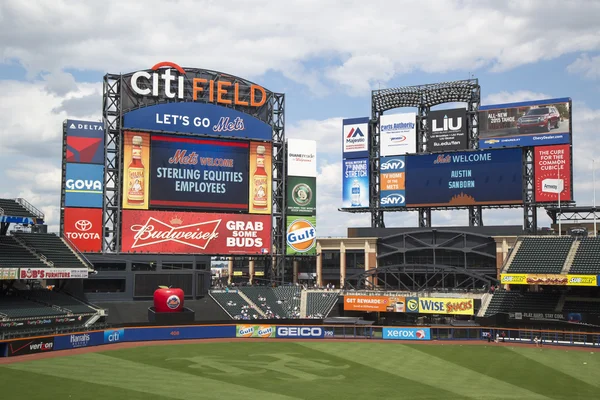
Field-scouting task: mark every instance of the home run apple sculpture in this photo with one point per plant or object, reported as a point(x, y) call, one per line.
point(167, 299)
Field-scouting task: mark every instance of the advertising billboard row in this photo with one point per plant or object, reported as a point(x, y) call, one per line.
point(355, 183)
point(161, 232)
point(421, 305)
point(549, 279)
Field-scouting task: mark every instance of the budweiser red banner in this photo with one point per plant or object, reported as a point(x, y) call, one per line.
point(83, 228)
point(203, 233)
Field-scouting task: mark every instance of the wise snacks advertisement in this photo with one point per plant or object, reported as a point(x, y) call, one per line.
point(199, 173)
point(161, 232)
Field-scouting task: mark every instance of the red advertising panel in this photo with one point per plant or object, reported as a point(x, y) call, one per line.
point(552, 173)
point(83, 228)
point(199, 233)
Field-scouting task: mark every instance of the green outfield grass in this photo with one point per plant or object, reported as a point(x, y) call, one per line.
point(307, 370)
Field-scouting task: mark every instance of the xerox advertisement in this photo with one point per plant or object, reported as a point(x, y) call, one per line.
point(464, 178)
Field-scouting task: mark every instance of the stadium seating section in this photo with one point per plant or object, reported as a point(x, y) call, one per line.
point(514, 301)
point(14, 209)
point(541, 255)
point(53, 248)
point(290, 297)
point(41, 303)
point(587, 258)
point(14, 255)
point(232, 303)
point(319, 304)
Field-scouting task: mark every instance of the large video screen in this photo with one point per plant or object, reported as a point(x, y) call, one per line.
point(530, 123)
point(491, 177)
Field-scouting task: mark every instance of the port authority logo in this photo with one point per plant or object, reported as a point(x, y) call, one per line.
point(356, 138)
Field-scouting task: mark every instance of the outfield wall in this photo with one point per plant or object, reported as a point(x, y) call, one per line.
point(45, 344)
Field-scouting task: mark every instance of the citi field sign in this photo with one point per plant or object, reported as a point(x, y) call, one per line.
point(168, 80)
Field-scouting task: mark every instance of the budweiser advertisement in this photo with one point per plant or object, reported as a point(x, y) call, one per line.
point(201, 233)
point(83, 228)
point(53, 273)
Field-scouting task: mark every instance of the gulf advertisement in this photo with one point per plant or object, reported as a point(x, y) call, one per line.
point(201, 174)
point(552, 171)
point(392, 181)
point(136, 170)
point(84, 185)
point(397, 134)
point(302, 157)
point(439, 305)
point(355, 137)
point(261, 178)
point(198, 119)
point(447, 130)
point(83, 228)
point(375, 303)
point(524, 124)
point(406, 333)
point(301, 195)
point(355, 183)
point(255, 331)
point(549, 279)
point(464, 178)
point(162, 232)
point(301, 235)
point(85, 142)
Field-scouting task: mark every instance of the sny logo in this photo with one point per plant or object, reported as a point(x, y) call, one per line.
point(114, 336)
point(393, 199)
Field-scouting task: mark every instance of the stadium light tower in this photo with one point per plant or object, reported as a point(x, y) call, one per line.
point(559, 212)
point(594, 184)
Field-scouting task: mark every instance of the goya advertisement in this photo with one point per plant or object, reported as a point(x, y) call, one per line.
point(552, 168)
point(202, 174)
point(530, 123)
point(355, 183)
point(85, 142)
point(261, 181)
point(301, 195)
point(439, 305)
point(549, 279)
point(392, 186)
point(136, 170)
point(84, 185)
point(301, 235)
point(162, 232)
point(464, 178)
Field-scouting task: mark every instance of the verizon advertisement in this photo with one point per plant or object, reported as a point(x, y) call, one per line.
point(398, 134)
point(447, 130)
point(53, 273)
point(83, 228)
point(302, 157)
point(552, 173)
point(162, 232)
point(30, 346)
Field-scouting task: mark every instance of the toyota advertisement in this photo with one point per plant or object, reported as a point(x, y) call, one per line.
point(85, 142)
point(392, 187)
point(83, 228)
point(525, 124)
point(397, 134)
point(464, 178)
point(552, 169)
point(447, 130)
point(203, 174)
point(162, 232)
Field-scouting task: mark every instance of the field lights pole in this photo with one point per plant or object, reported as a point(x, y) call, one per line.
point(594, 183)
point(559, 212)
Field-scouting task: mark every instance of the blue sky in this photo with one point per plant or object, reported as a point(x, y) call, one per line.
point(326, 56)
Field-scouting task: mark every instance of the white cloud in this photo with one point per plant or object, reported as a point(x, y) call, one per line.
point(513, 97)
point(587, 66)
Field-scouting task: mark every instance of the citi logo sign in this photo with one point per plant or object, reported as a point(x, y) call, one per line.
point(114, 336)
point(393, 199)
point(448, 124)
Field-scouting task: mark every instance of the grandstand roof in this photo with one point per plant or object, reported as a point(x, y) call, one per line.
point(500, 230)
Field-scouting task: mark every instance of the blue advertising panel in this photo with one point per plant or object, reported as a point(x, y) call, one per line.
point(85, 142)
point(355, 183)
point(295, 332)
point(114, 336)
point(199, 119)
point(355, 137)
point(84, 185)
point(407, 333)
point(199, 173)
point(78, 340)
point(180, 332)
point(464, 178)
point(392, 175)
point(529, 123)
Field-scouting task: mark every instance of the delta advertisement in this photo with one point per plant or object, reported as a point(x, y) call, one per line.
point(552, 171)
point(355, 183)
point(439, 305)
point(162, 232)
point(84, 185)
point(85, 142)
point(397, 134)
point(355, 137)
point(301, 235)
point(375, 303)
point(301, 195)
point(261, 178)
point(447, 130)
point(83, 228)
point(464, 178)
point(198, 119)
point(549, 279)
point(392, 187)
point(136, 161)
point(301, 157)
point(201, 174)
point(530, 123)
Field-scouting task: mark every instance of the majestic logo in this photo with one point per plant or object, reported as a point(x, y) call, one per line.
point(393, 199)
point(301, 235)
point(355, 138)
point(154, 231)
point(173, 302)
point(355, 132)
point(83, 225)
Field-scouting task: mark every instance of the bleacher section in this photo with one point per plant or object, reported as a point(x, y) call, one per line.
point(19, 307)
point(53, 248)
point(541, 255)
point(319, 304)
point(265, 298)
point(582, 306)
point(290, 296)
point(12, 208)
point(231, 302)
point(59, 299)
point(512, 301)
point(587, 258)
point(14, 255)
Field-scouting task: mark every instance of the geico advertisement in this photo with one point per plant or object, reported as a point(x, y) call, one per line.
point(199, 173)
point(438, 305)
point(200, 233)
point(464, 178)
point(300, 332)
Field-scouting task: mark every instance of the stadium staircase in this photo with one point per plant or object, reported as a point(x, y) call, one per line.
point(570, 257)
point(561, 303)
point(319, 303)
point(485, 302)
point(303, 304)
point(587, 259)
point(252, 304)
point(511, 257)
point(29, 207)
point(14, 254)
point(53, 248)
point(19, 208)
